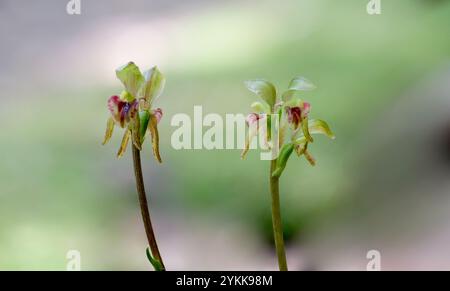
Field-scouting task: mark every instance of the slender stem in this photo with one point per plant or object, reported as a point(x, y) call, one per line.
point(144, 206)
point(276, 218)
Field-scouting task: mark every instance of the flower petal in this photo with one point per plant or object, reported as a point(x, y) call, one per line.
point(144, 117)
point(305, 129)
point(135, 130)
point(301, 144)
point(158, 114)
point(263, 89)
point(306, 109)
point(294, 115)
point(109, 130)
point(309, 158)
point(248, 140)
point(317, 126)
point(301, 84)
point(113, 106)
point(126, 96)
point(153, 127)
point(297, 84)
point(252, 122)
point(124, 143)
point(252, 118)
point(259, 107)
point(131, 78)
point(153, 86)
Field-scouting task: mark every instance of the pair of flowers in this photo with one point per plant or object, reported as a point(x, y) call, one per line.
point(133, 111)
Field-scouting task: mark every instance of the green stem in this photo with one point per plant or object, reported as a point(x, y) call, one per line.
point(144, 206)
point(276, 218)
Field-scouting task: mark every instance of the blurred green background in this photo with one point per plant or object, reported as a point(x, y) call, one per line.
point(383, 85)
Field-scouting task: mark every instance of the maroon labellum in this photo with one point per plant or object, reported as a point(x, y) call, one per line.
point(122, 111)
point(298, 113)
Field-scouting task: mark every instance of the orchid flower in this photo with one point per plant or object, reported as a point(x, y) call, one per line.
point(133, 111)
point(293, 114)
point(294, 122)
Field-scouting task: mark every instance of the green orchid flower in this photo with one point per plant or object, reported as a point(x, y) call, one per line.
point(133, 109)
point(294, 134)
point(293, 114)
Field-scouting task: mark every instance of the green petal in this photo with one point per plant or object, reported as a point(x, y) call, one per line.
point(259, 107)
point(153, 85)
point(301, 84)
point(131, 78)
point(135, 130)
point(317, 126)
point(153, 127)
point(125, 95)
point(293, 102)
point(248, 140)
point(297, 84)
point(144, 117)
point(283, 157)
point(124, 143)
point(263, 89)
point(300, 140)
point(109, 130)
point(305, 129)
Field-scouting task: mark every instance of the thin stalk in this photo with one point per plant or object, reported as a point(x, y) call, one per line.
point(144, 206)
point(276, 218)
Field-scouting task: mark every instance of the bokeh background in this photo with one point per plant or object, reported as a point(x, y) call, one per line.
point(383, 84)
